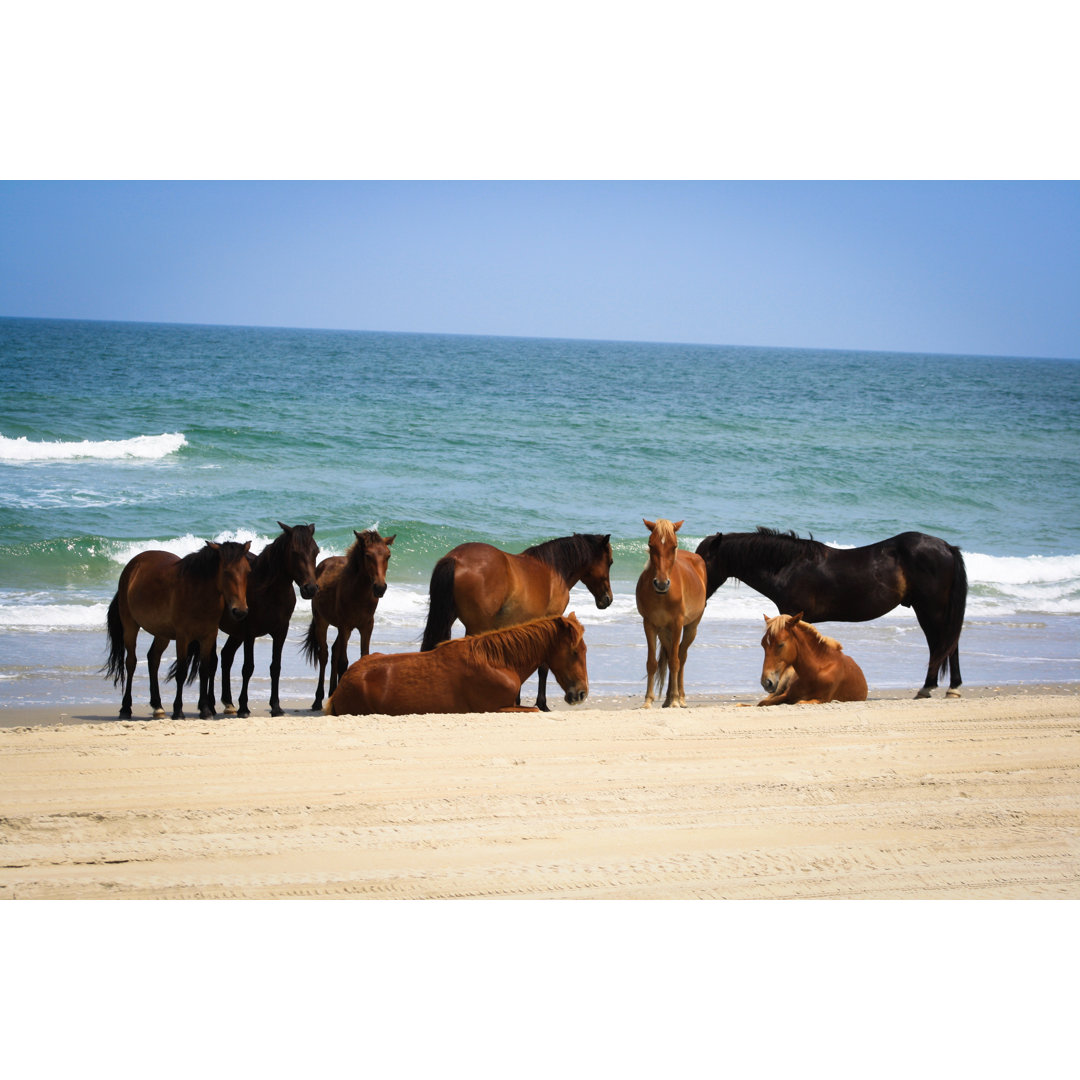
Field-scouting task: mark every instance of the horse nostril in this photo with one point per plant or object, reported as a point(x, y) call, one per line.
point(379, 590)
point(239, 613)
point(308, 591)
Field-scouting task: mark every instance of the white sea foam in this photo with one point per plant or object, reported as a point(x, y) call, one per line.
point(142, 447)
point(188, 544)
point(53, 616)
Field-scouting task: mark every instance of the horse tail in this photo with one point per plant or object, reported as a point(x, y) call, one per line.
point(114, 666)
point(193, 665)
point(955, 609)
point(309, 647)
point(442, 610)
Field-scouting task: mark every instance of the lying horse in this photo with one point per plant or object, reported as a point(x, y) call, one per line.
point(803, 665)
point(271, 601)
point(488, 589)
point(176, 599)
point(477, 673)
point(670, 601)
point(350, 587)
point(918, 571)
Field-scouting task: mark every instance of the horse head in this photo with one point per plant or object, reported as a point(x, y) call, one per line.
point(232, 576)
point(303, 552)
point(597, 575)
point(663, 543)
point(781, 652)
point(715, 571)
point(375, 551)
point(567, 660)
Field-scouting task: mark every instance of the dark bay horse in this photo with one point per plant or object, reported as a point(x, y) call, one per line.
point(271, 600)
point(477, 673)
point(350, 587)
point(803, 666)
point(488, 589)
point(917, 571)
point(176, 599)
point(670, 601)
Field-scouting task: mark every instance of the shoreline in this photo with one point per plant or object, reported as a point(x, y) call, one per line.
point(892, 798)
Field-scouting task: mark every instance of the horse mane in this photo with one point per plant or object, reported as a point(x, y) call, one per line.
point(665, 529)
point(772, 549)
point(567, 554)
point(203, 564)
point(515, 645)
point(352, 553)
point(815, 638)
point(274, 557)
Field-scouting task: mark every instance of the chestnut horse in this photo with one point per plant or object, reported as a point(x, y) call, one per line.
point(477, 673)
point(350, 587)
point(488, 589)
point(918, 571)
point(802, 665)
point(271, 601)
point(670, 601)
point(176, 599)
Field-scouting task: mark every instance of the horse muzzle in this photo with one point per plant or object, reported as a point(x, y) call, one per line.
point(605, 600)
point(238, 614)
point(378, 590)
point(661, 586)
point(309, 590)
point(769, 684)
point(576, 695)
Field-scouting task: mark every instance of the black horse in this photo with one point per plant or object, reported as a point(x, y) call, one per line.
point(918, 571)
point(271, 600)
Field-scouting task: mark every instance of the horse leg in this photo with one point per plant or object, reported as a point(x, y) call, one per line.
point(689, 633)
point(339, 656)
point(674, 666)
point(275, 675)
point(541, 688)
point(182, 662)
point(650, 663)
point(129, 664)
point(208, 663)
point(228, 651)
point(320, 627)
point(931, 628)
point(153, 663)
point(245, 674)
point(954, 673)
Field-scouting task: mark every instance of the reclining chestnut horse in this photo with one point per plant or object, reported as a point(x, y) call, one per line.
point(803, 666)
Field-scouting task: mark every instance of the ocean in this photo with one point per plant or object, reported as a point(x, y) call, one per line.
point(117, 437)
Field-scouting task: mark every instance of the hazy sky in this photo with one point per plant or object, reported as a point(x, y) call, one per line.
point(989, 267)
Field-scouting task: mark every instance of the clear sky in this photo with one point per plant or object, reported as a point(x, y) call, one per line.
point(962, 267)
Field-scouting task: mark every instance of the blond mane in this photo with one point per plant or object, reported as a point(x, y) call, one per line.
point(515, 645)
point(814, 636)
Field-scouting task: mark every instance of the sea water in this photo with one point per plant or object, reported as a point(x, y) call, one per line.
point(118, 437)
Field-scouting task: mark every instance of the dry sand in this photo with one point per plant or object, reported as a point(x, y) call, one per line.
point(891, 798)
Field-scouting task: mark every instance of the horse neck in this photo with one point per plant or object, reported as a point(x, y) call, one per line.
point(753, 562)
point(812, 642)
point(272, 562)
point(567, 556)
point(521, 647)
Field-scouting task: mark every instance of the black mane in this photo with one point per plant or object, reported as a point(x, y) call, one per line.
point(568, 554)
point(204, 563)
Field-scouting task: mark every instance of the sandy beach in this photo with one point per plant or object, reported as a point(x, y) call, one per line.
point(887, 799)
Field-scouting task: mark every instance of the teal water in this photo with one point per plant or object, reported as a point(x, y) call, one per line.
point(115, 437)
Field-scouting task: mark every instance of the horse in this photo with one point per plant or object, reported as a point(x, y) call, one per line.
point(478, 673)
point(488, 589)
point(181, 599)
point(804, 666)
point(670, 600)
point(828, 584)
point(350, 587)
point(271, 600)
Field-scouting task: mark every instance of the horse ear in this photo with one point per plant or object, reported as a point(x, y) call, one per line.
point(284, 528)
point(766, 618)
point(359, 537)
point(388, 540)
point(311, 528)
point(678, 525)
point(247, 546)
point(650, 525)
point(796, 618)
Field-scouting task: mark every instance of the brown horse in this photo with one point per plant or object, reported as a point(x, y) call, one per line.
point(350, 587)
point(488, 589)
point(918, 571)
point(803, 665)
point(271, 601)
point(478, 673)
point(670, 601)
point(176, 599)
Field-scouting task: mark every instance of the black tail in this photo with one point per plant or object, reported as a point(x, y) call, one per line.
point(955, 609)
point(309, 647)
point(193, 665)
point(442, 611)
point(114, 666)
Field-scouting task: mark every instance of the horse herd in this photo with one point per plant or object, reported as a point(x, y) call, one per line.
point(512, 609)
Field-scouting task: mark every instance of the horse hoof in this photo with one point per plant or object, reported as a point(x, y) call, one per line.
point(923, 693)
point(316, 706)
point(277, 712)
point(125, 714)
point(229, 709)
point(952, 693)
point(159, 714)
point(242, 715)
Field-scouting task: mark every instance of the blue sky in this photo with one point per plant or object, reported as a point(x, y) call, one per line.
point(960, 267)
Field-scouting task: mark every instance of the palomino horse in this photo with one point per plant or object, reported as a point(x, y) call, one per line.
point(271, 600)
point(670, 601)
point(487, 588)
point(803, 665)
point(350, 587)
point(176, 599)
point(826, 584)
point(478, 673)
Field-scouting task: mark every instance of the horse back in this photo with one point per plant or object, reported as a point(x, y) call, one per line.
point(148, 591)
point(494, 589)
